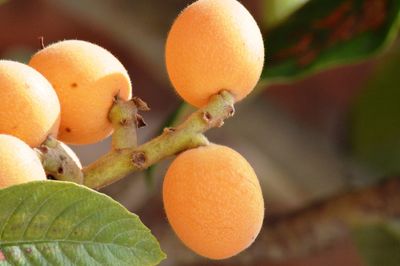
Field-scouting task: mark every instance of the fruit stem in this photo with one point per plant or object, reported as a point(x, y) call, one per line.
point(118, 163)
point(57, 162)
point(126, 120)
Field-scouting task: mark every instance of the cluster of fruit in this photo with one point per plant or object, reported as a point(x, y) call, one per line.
point(66, 91)
point(211, 194)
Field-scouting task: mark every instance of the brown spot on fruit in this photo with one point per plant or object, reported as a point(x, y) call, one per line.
point(60, 170)
point(67, 129)
point(74, 85)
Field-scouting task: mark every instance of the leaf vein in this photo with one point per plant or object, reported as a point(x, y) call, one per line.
point(9, 217)
point(51, 195)
point(73, 204)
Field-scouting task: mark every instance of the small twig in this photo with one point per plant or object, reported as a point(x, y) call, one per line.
point(121, 162)
point(126, 120)
point(125, 157)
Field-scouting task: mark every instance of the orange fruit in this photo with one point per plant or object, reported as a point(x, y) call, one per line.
point(18, 162)
point(213, 201)
point(86, 78)
point(214, 45)
point(29, 107)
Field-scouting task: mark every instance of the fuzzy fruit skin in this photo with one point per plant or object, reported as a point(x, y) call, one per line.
point(213, 201)
point(214, 45)
point(86, 77)
point(29, 107)
point(18, 162)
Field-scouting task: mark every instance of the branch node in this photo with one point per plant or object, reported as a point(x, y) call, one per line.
point(123, 116)
point(207, 117)
point(187, 135)
point(168, 130)
point(123, 122)
point(139, 159)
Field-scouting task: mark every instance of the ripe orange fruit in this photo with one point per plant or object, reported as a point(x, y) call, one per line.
point(214, 45)
point(213, 201)
point(29, 107)
point(18, 162)
point(86, 77)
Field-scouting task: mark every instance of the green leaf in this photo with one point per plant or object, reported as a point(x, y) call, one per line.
point(60, 223)
point(375, 129)
point(379, 244)
point(329, 33)
point(276, 11)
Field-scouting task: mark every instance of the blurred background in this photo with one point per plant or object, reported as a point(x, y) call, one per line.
point(321, 129)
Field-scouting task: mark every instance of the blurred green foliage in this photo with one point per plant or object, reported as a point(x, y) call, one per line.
point(277, 11)
point(375, 133)
point(379, 244)
point(324, 34)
